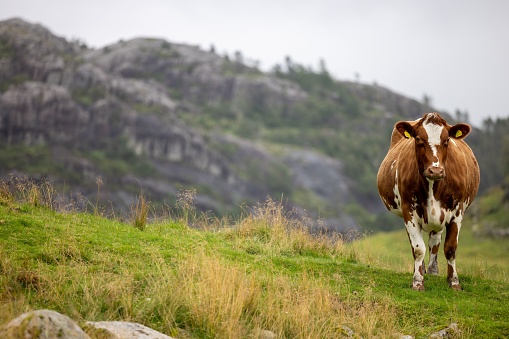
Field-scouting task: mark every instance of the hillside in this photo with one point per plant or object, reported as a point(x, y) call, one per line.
point(230, 278)
point(490, 212)
point(148, 114)
point(151, 114)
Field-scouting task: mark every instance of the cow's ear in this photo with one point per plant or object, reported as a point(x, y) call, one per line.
point(459, 131)
point(405, 129)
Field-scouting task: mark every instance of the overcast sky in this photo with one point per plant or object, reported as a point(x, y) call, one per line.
point(454, 51)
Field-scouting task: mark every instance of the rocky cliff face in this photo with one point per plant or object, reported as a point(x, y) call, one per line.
point(126, 113)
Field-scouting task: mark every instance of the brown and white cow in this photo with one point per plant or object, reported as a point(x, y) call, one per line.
point(429, 178)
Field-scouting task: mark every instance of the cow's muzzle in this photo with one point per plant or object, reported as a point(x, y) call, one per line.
point(435, 173)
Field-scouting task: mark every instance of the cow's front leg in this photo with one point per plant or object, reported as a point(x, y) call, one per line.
point(450, 245)
point(434, 245)
point(419, 251)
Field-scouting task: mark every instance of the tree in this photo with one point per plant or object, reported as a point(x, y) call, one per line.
point(289, 64)
point(357, 77)
point(277, 69)
point(505, 158)
point(462, 117)
point(426, 99)
point(239, 58)
point(322, 67)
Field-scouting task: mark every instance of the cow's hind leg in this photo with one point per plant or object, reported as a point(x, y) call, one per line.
point(434, 245)
point(419, 252)
point(450, 245)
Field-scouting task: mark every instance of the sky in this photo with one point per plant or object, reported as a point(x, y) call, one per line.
point(456, 52)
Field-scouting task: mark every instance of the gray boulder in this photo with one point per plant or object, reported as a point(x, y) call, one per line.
point(42, 324)
point(452, 331)
point(122, 330)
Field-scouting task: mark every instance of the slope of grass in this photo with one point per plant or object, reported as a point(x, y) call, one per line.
point(228, 279)
point(491, 209)
point(483, 266)
point(479, 256)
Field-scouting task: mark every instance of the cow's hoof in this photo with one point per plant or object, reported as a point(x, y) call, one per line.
point(456, 287)
point(454, 283)
point(418, 286)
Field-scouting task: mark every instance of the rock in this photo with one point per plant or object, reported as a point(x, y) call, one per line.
point(347, 331)
point(122, 330)
point(42, 324)
point(36, 113)
point(392, 103)
point(449, 332)
point(32, 52)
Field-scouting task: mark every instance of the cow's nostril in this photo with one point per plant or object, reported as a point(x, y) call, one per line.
point(435, 172)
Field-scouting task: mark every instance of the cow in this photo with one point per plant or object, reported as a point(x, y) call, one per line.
point(429, 178)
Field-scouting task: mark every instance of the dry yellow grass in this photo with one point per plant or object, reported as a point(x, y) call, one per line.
point(226, 301)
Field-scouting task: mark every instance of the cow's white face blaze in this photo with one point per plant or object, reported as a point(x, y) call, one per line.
point(434, 134)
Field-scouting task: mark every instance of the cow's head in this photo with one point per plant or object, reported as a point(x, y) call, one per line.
point(431, 136)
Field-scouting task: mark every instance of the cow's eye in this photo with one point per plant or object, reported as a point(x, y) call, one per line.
point(446, 143)
point(419, 141)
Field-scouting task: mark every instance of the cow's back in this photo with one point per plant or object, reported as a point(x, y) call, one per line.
point(390, 172)
point(387, 173)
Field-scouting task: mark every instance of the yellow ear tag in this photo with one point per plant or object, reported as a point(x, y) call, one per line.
point(459, 133)
point(408, 136)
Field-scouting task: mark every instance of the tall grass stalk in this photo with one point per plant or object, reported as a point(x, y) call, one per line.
point(186, 200)
point(268, 227)
point(99, 183)
point(6, 195)
point(140, 212)
point(28, 191)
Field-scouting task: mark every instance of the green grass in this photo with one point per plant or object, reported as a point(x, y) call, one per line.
point(477, 256)
point(483, 265)
point(233, 278)
point(491, 209)
point(35, 159)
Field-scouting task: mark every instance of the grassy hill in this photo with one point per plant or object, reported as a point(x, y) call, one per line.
point(229, 278)
point(477, 256)
point(491, 210)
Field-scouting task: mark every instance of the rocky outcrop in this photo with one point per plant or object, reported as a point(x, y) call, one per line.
point(452, 331)
point(197, 77)
point(52, 96)
point(34, 112)
point(393, 104)
point(149, 112)
point(133, 94)
point(315, 178)
point(42, 324)
point(30, 51)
